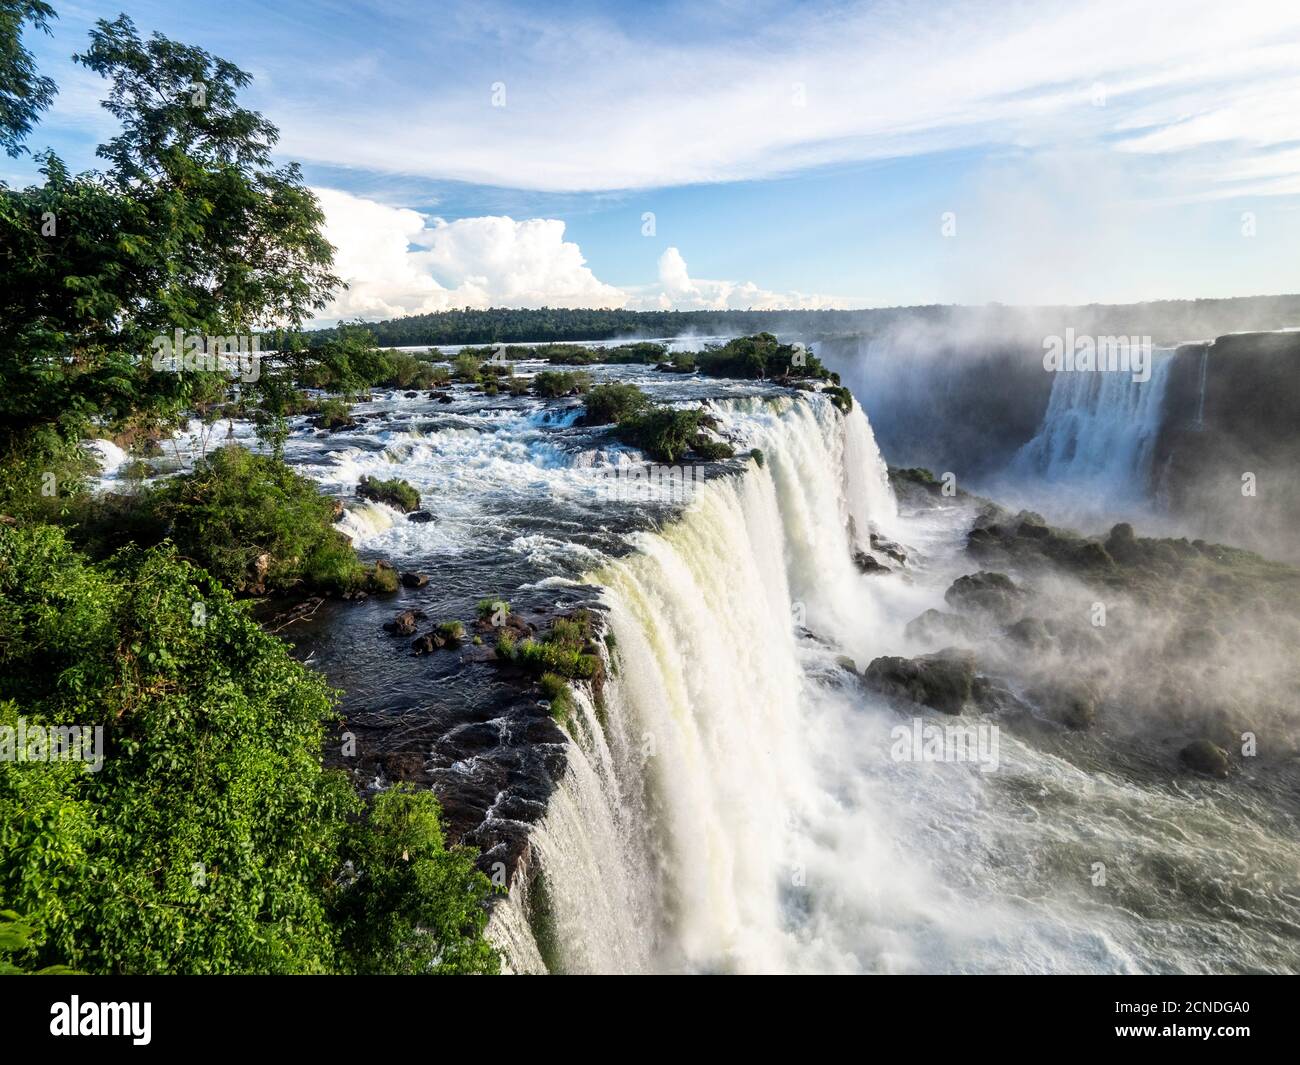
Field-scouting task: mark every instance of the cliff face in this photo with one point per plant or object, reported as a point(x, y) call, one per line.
point(1233, 408)
point(965, 406)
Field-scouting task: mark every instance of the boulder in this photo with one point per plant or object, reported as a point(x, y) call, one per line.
point(1202, 756)
point(414, 580)
point(944, 681)
point(405, 623)
point(1032, 633)
point(1072, 704)
point(985, 593)
point(867, 563)
point(889, 548)
point(419, 516)
point(935, 626)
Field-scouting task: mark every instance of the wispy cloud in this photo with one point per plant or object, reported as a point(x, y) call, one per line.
point(599, 104)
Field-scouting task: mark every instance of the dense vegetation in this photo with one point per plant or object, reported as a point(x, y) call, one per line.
point(208, 837)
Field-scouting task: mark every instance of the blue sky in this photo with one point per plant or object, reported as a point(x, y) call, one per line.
point(804, 154)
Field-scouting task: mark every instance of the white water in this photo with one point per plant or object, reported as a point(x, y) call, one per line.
point(1098, 434)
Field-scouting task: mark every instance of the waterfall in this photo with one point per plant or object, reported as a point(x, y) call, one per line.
point(1098, 434)
point(695, 807)
point(1200, 394)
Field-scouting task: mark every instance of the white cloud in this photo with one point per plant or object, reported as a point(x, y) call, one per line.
point(677, 290)
point(398, 262)
point(601, 106)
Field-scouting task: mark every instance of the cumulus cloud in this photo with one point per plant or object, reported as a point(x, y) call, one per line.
point(398, 262)
point(678, 291)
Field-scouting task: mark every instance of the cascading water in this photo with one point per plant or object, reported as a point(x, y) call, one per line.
point(1098, 434)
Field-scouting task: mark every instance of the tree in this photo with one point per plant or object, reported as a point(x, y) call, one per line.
point(24, 94)
point(191, 229)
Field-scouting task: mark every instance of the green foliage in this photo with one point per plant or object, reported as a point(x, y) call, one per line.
point(211, 839)
point(452, 631)
point(487, 607)
point(332, 414)
point(663, 433)
point(191, 227)
point(551, 384)
point(561, 651)
point(465, 367)
point(396, 493)
point(757, 455)
point(253, 523)
point(841, 397)
point(613, 402)
point(201, 843)
point(711, 450)
point(24, 94)
point(680, 362)
point(761, 356)
point(556, 691)
point(415, 906)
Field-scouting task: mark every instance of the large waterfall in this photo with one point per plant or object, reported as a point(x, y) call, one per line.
point(717, 820)
point(1099, 433)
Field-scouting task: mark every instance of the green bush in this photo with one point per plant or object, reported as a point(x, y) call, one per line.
point(711, 450)
point(555, 689)
point(254, 524)
point(396, 493)
point(551, 384)
point(453, 631)
point(663, 433)
point(465, 367)
point(210, 840)
point(613, 402)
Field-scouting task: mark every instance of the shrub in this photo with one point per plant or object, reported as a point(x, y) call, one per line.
point(253, 523)
point(551, 384)
point(663, 433)
point(465, 367)
point(452, 631)
point(841, 397)
point(613, 402)
point(711, 450)
point(487, 607)
point(333, 414)
point(555, 689)
point(396, 493)
point(757, 455)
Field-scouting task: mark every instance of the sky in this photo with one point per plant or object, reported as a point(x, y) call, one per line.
point(708, 155)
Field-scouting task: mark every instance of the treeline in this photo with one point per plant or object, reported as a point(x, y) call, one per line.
point(163, 802)
point(1165, 320)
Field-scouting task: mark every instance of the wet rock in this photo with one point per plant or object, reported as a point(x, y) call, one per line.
point(405, 623)
point(1032, 633)
point(1031, 526)
point(889, 548)
point(338, 510)
point(935, 626)
point(944, 681)
point(1121, 544)
point(867, 563)
point(411, 395)
point(419, 516)
point(1072, 704)
point(1202, 756)
point(985, 592)
point(414, 580)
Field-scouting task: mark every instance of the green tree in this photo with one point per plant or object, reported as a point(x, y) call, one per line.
point(24, 94)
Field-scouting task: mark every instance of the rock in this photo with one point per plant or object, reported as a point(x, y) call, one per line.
point(411, 395)
point(338, 510)
point(889, 548)
point(419, 516)
point(944, 681)
point(1073, 705)
point(414, 580)
point(1031, 526)
point(1202, 756)
point(405, 623)
point(381, 564)
point(1031, 633)
point(1089, 555)
point(426, 644)
point(935, 626)
point(867, 563)
point(985, 592)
